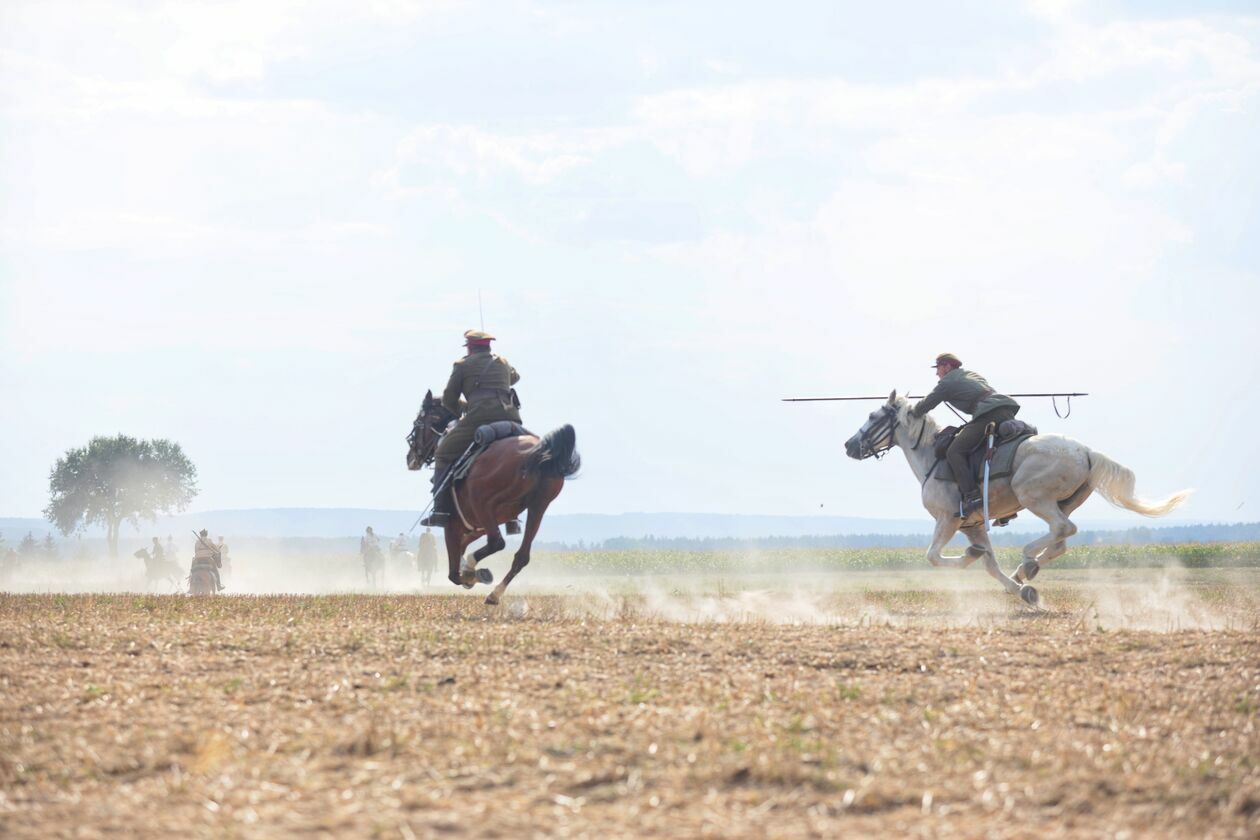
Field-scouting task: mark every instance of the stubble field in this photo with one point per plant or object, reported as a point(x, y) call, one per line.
point(877, 703)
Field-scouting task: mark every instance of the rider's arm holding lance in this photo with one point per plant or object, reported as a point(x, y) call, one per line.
point(931, 401)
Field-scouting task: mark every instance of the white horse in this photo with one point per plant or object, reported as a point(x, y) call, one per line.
point(1052, 476)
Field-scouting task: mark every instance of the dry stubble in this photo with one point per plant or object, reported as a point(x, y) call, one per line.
point(401, 716)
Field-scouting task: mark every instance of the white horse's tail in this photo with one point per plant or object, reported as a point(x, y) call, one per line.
point(1115, 483)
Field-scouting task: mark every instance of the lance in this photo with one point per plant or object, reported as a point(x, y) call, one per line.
point(1053, 395)
point(918, 397)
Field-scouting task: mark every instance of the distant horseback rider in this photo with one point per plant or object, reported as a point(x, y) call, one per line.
point(426, 553)
point(484, 381)
point(969, 393)
point(157, 552)
point(206, 555)
point(369, 544)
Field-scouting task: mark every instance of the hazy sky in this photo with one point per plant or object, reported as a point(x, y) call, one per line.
point(260, 228)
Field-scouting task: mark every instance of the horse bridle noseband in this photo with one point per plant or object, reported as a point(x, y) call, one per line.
point(437, 425)
point(891, 419)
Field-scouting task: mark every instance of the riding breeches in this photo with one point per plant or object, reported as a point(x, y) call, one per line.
point(967, 439)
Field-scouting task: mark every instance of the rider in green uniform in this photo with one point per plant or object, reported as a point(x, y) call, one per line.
point(969, 393)
point(484, 381)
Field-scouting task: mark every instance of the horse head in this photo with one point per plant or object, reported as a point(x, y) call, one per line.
point(878, 433)
point(428, 426)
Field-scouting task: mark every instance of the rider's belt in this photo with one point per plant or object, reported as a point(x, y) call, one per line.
point(496, 394)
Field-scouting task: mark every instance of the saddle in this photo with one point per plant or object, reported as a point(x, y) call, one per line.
point(1010, 434)
point(485, 435)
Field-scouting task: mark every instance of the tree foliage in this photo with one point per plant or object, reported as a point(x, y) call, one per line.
point(118, 479)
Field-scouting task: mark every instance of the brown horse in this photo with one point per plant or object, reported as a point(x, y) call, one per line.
point(157, 571)
point(511, 476)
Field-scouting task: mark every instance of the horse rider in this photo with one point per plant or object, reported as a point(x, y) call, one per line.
point(157, 552)
point(969, 393)
point(170, 548)
point(369, 543)
point(485, 382)
point(207, 555)
point(426, 552)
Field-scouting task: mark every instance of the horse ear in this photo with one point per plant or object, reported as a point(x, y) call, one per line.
point(892, 396)
point(428, 398)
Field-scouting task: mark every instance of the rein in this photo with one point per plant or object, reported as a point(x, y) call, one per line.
point(891, 419)
point(436, 422)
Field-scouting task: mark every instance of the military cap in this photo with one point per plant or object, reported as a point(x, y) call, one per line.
point(947, 359)
point(477, 337)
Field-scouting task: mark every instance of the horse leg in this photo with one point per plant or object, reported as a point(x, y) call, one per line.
point(534, 515)
point(454, 551)
point(1050, 546)
point(494, 543)
point(946, 527)
point(982, 547)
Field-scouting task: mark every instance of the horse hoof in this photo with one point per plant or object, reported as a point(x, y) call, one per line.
point(1029, 595)
point(492, 600)
point(1030, 569)
point(485, 576)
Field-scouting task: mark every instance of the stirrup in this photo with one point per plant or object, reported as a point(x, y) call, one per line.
point(436, 520)
point(969, 509)
point(512, 527)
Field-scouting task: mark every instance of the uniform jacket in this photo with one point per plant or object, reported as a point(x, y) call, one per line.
point(966, 391)
point(206, 552)
point(474, 376)
point(484, 380)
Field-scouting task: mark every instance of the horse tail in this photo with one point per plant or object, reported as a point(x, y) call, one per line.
point(1115, 483)
point(556, 455)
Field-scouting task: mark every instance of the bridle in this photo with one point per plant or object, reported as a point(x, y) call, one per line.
point(883, 430)
point(435, 422)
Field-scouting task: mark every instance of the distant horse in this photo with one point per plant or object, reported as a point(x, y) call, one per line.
point(156, 571)
point(1051, 476)
point(400, 560)
point(374, 567)
point(426, 562)
point(511, 476)
point(203, 580)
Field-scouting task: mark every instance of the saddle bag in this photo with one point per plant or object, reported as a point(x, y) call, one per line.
point(490, 432)
point(942, 440)
point(1014, 428)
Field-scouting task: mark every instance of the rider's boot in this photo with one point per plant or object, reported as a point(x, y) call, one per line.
point(441, 513)
point(972, 509)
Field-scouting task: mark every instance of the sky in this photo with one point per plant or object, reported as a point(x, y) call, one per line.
point(260, 229)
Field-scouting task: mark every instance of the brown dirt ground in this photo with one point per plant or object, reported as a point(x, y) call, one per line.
point(402, 716)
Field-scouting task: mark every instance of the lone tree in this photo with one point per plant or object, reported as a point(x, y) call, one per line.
point(117, 479)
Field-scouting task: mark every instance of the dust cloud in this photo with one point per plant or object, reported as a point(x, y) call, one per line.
point(1167, 599)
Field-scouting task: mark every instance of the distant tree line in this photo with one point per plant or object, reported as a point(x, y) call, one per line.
point(30, 548)
point(1237, 532)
